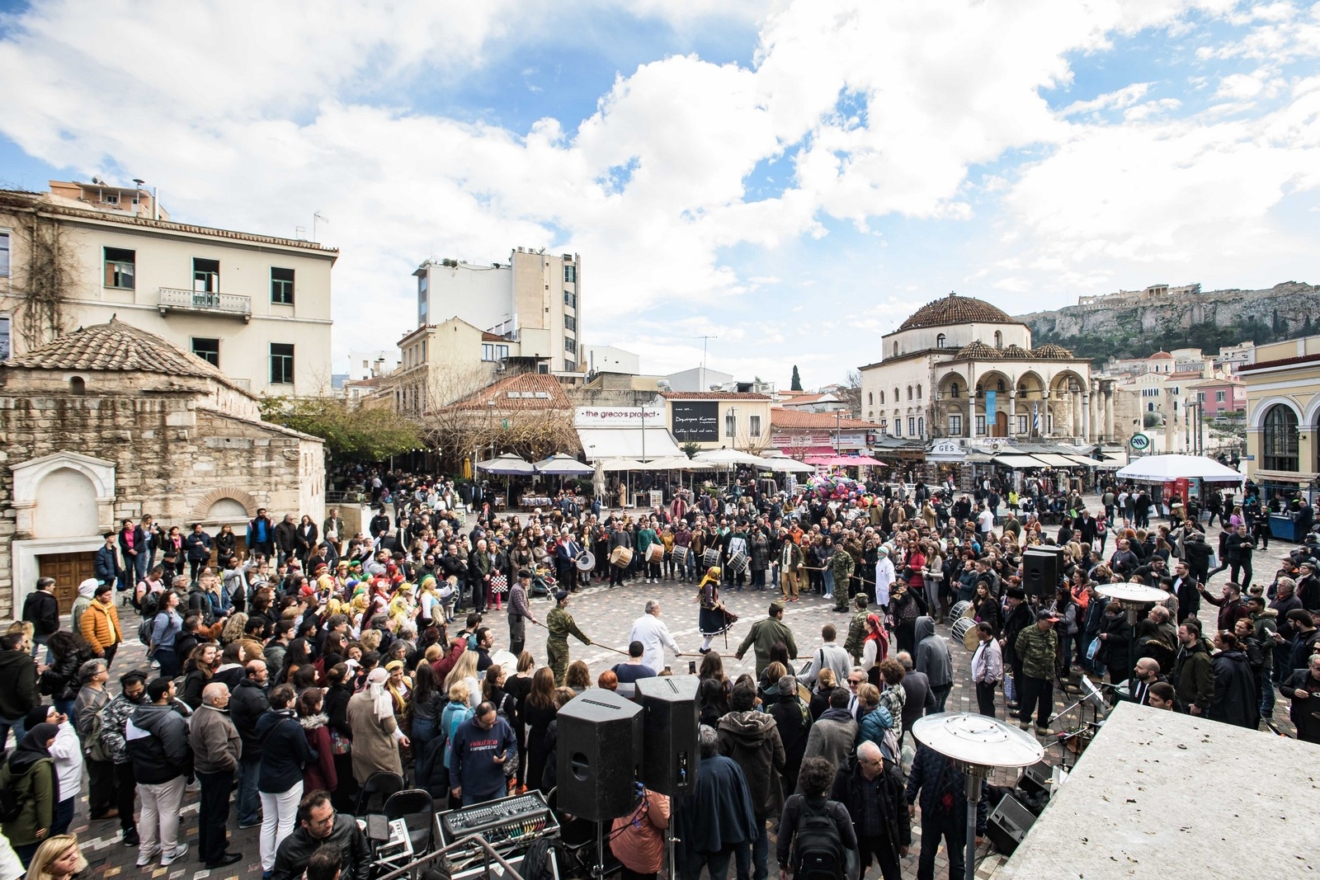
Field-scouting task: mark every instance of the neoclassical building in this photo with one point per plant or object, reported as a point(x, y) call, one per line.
point(961, 367)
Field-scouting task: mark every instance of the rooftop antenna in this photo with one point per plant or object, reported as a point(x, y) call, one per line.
point(702, 381)
point(318, 216)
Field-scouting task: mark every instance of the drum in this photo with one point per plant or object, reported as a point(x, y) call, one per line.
point(964, 630)
point(738, 562)
point(621, 557)
point(680, 556)
point(586, 561)
point(710, 558)
point(960, 609)
point(655, 554)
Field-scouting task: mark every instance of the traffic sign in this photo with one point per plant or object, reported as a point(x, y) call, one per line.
point(1139, 442)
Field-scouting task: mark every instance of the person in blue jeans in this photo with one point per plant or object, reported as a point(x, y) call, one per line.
point(718, 819)
point(165, 629)
point(247, 704)
point(482, 747)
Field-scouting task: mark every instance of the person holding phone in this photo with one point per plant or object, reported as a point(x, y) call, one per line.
point(484, 750)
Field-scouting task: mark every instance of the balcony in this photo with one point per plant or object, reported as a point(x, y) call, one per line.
point(205, 302)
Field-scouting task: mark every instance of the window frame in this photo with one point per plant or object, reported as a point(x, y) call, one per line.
point(754, 425)
point(192, 346)
point(955, 425)
point(730, 425)
point(285, 297)
point(6, 250)
point(6, 336)
point(570, 273)
point(286, 373)
point(106, 263)
point(1279, 440)
point(212, 278)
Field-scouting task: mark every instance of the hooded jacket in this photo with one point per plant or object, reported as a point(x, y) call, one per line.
point(933, 657)
point(1194, 679)
point(30, 771)
point(719, 812)
point(752, 740)
point(157, 738)
point(832, 737)
point(1236, 699)
point(284, 751)
point(18, 684)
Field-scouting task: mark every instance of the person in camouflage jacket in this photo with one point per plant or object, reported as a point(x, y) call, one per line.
point(842, 565)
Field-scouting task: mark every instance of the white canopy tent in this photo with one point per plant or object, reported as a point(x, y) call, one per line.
point(1163, 468)
point(788, 466)
point(717, 458)
point(634, 443)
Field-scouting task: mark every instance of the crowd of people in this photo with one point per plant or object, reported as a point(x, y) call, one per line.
point(284, 674)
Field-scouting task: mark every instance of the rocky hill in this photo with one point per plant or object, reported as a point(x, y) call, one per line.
point(1137, 325)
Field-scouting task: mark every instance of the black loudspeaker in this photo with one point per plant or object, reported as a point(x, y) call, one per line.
point(1042, 567)
point(599, 752)
point(669, 724)
point(1008, 824)
point(1036, 779)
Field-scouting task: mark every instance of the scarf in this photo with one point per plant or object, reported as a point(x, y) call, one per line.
point(381, 701)
point(31, 749)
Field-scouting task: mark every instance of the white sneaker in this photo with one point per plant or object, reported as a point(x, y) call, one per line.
point(180, 851)
point(145, 859)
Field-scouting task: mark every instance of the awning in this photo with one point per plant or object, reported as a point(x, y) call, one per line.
point(1018, 462)
point(1083, 460)
point(627, 443)
point(1055, 460)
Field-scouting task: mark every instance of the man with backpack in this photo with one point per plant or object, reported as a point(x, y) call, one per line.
point(99, 760)
point(42, 610)
point(157, 739)
point(871, 789)
point(939, 784)
point(816, 838)
point(751, 739)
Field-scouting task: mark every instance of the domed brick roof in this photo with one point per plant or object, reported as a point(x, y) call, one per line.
point(1015, 351)
point(955, 309)
point(977, 349)
point(1050, 351)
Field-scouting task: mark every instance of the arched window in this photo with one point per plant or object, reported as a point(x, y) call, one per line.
point(909, 392)
point(895, 349)
point(921, 427)
point(953, 389)
point(1280, 439)
point(869, 398)
point(918, 392)
point(939, 341)
point(897, 396)
point(882, 398)
point(1001, 384)
point(999, 339)
point(78, 386)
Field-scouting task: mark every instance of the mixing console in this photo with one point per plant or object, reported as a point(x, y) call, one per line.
point(508, 824)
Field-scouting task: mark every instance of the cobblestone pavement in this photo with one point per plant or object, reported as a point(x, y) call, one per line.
point(606, 616)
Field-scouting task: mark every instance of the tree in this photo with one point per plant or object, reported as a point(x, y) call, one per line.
point(796, 384)
point(368, 435)
point(852, 393)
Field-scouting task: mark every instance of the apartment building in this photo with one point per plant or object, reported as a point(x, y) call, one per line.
point(255, 306)
point(534, 300)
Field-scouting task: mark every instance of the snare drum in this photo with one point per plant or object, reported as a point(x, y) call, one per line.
point(738, 562)
point(710, 558)
point(680, 556)
point(586, 561)
point(961, 609)
point(964, 629)
point(655, 554)
point(621, 557)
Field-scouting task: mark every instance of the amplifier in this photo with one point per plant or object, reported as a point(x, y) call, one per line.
point(1008, 824)
point(1036, 779)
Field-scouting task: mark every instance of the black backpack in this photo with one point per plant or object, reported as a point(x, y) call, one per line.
point(818, 848)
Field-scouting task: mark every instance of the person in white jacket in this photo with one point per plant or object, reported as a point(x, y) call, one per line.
point(884, 577)
point(68, 755)
point(654, 635)
point(987, 669)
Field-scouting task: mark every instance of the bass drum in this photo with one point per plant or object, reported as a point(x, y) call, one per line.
point(586, 561)
point(964, 630)
point(621, 557)
point(738, 562)
point(710, 558)
point(960, 609)
point(680, 556)
point(655, 554)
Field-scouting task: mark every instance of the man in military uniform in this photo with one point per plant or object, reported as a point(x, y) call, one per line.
point(842, 566)
point(764, 634)
point(856, 640)
point(561, 626)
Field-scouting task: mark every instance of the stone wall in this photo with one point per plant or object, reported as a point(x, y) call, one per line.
point(173, 459)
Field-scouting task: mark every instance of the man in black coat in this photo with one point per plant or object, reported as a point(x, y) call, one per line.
point(1303, 688)
point(286, 538)
point(1018, 618)
point(864, 784)
point(718, 817)
point(319, 825)
point(248, 703)
point(42, 610)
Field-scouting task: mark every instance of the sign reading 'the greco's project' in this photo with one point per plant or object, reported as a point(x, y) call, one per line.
point(696, 421)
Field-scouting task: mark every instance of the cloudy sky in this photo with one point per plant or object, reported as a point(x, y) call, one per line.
point(791, 176)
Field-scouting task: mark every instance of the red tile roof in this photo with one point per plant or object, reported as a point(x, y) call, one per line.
point(523, 391)
point(787, 418)
point(713, 395)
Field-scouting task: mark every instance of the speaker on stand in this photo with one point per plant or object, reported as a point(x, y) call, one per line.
point(670, 723)
point(1042, 568)
point(1008, 824)
point(599, 750)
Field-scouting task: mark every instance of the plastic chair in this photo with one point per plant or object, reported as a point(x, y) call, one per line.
point(416, 808)
point(375, 791)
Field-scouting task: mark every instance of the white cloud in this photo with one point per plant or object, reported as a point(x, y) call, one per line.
point(253, 115)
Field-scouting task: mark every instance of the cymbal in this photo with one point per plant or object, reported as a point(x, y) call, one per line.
point(972, 738)
point(1131, 592)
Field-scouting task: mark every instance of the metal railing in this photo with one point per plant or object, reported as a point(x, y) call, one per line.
point(205, 301)
point(469, 842)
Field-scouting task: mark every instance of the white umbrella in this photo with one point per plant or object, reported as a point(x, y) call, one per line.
point(1162, 468)
point(788, 466)
point(669, 463)
point(620, 464)
point(726, 457)
point(598, 482)
point(507, 465)
point(563, 466)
